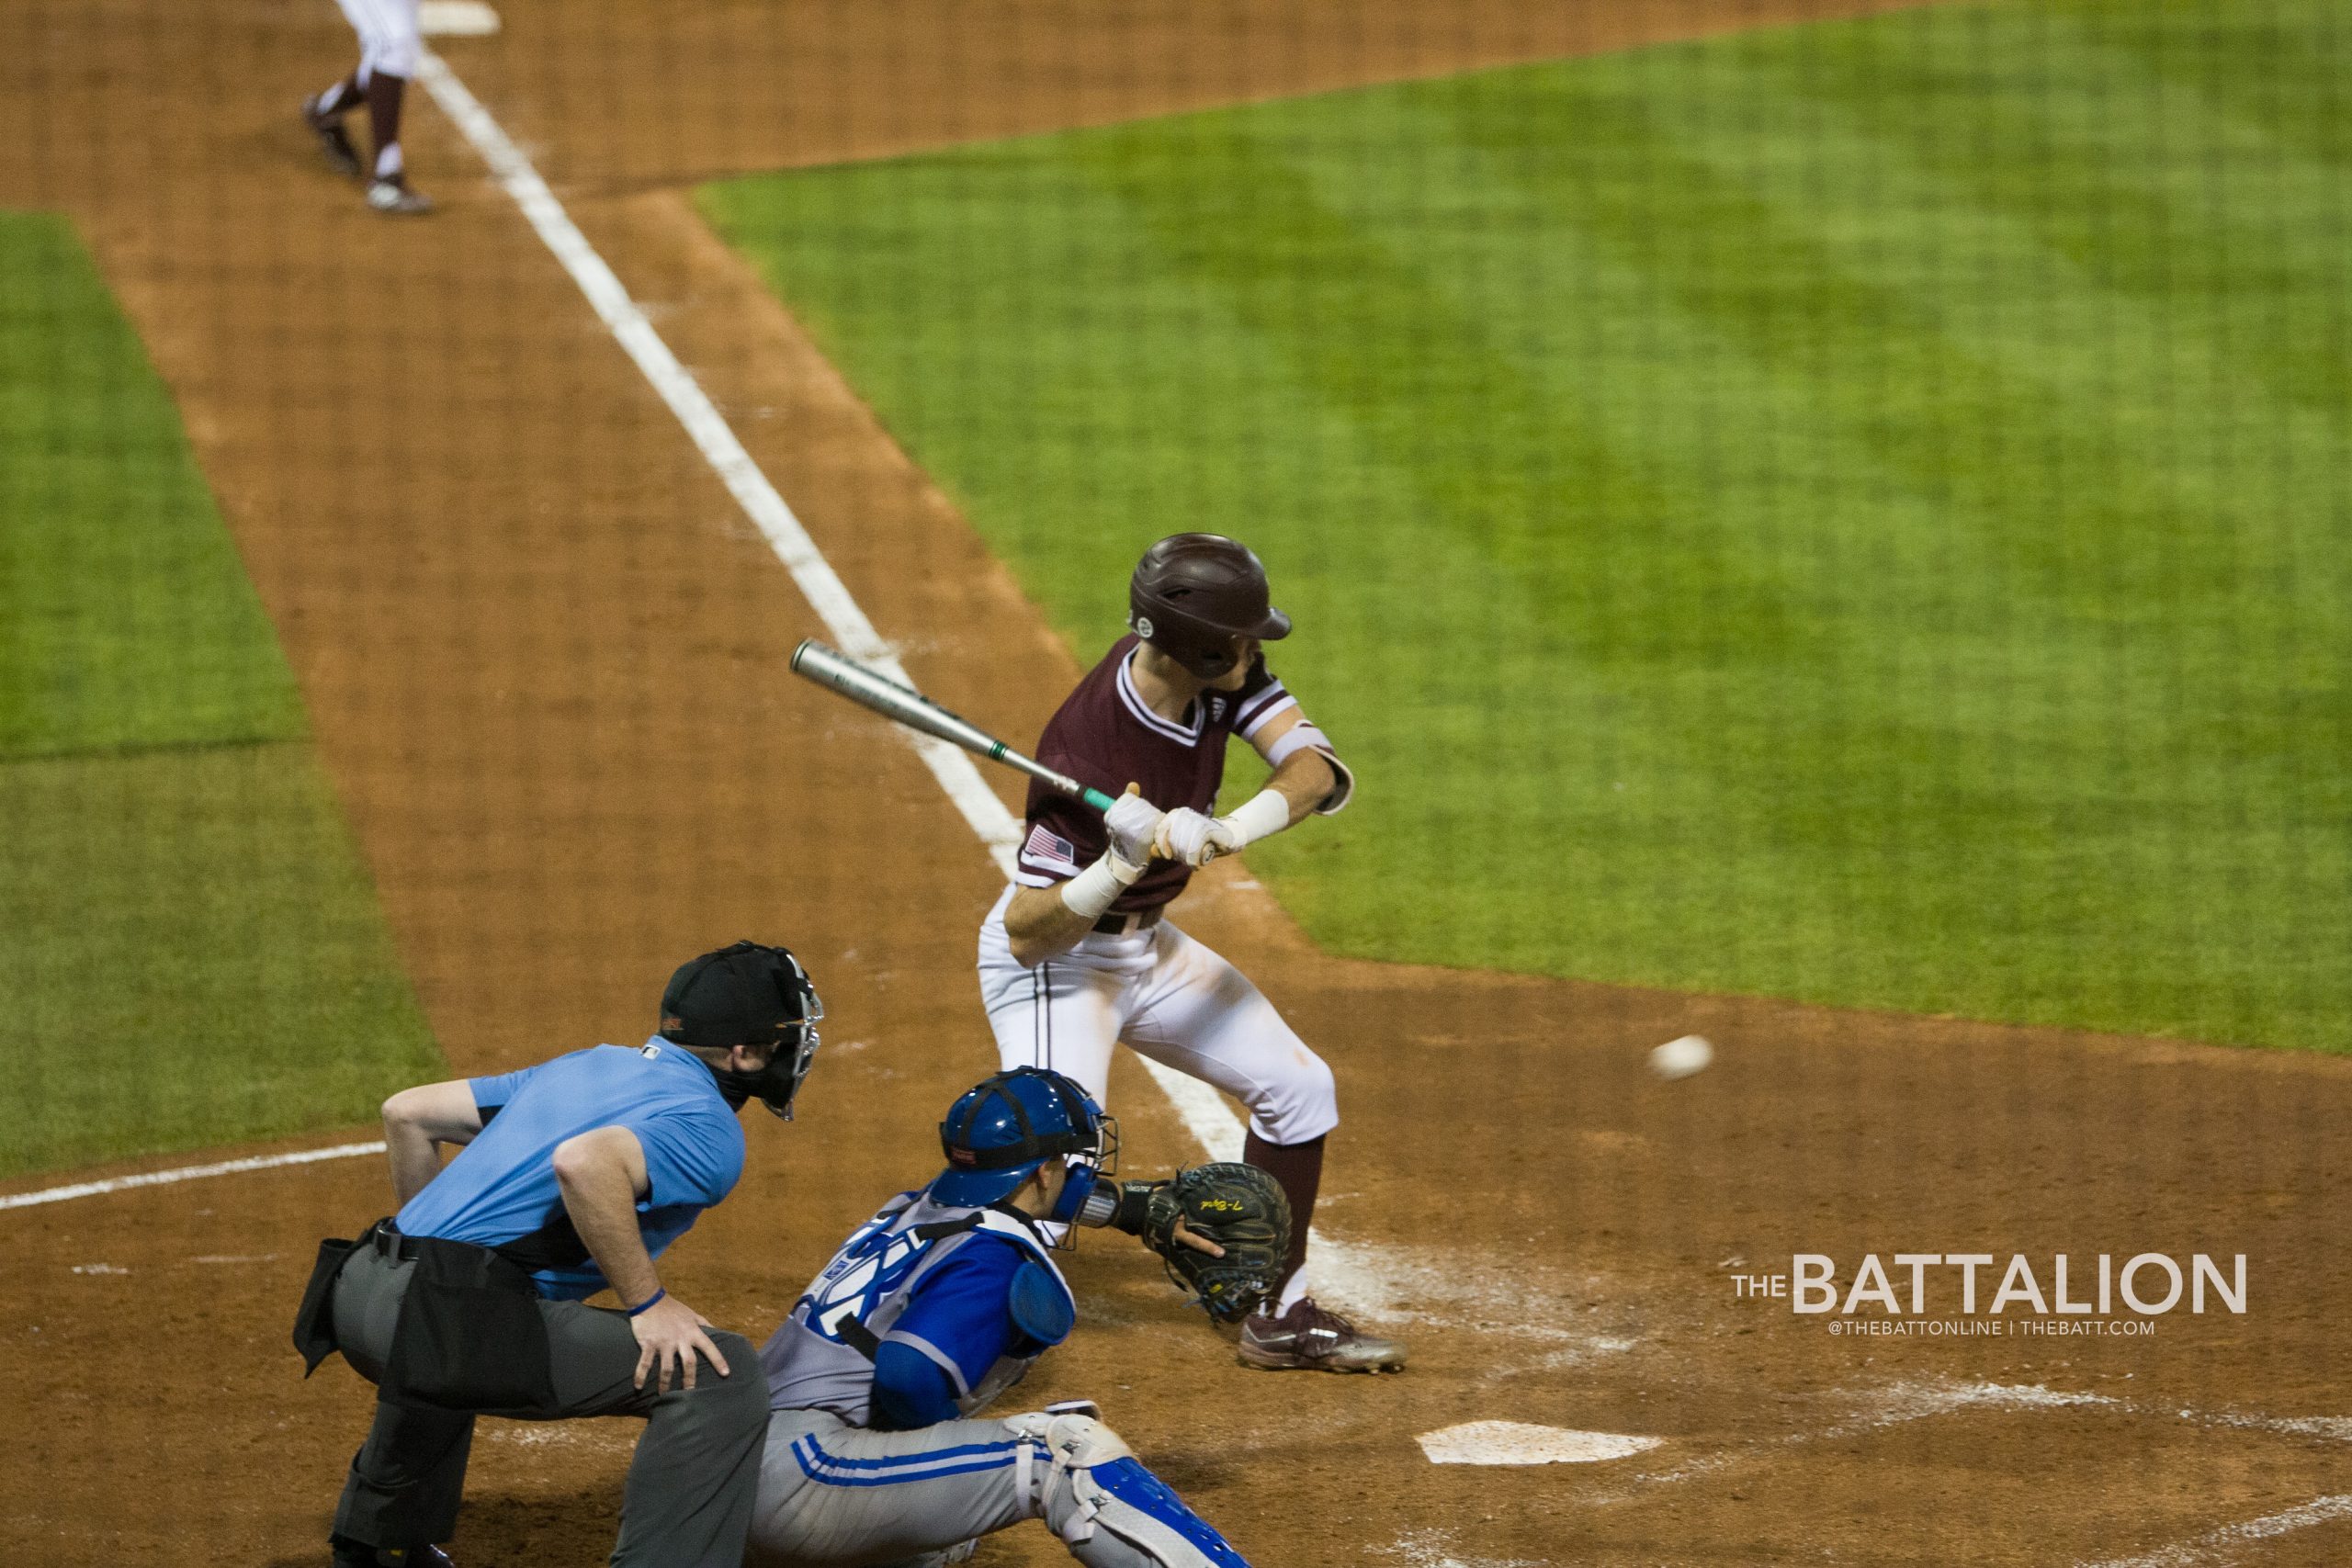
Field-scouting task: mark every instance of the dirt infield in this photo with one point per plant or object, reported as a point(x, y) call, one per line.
point(543, 651)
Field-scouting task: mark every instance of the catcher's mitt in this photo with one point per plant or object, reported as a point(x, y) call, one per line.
point(1239, 1207)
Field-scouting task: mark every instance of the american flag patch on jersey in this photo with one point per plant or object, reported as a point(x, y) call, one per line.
point(1050, 850)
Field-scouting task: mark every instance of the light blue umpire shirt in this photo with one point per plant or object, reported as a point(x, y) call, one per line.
point(501, 1187)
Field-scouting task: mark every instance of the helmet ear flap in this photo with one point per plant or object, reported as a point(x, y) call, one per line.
point(1076, 1189)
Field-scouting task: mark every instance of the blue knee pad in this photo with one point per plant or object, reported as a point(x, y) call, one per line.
point(1131, 1483)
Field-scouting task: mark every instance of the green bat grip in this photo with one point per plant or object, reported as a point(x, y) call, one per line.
point(1000, 752)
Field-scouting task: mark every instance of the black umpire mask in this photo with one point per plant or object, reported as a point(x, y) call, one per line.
point(750, 994)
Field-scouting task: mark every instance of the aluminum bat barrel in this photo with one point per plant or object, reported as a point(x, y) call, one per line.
point(870, 688)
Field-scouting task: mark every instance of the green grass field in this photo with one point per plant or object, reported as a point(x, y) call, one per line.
point(1853, 513)
point(189, 947)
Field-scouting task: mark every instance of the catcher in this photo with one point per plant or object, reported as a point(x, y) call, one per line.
point(876, 1452)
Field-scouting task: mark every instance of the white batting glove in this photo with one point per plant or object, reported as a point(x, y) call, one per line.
point(1134, 823)
point(1196, 840)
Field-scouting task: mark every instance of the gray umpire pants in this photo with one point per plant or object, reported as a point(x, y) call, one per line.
point(691, 1487)
point(834, 1495)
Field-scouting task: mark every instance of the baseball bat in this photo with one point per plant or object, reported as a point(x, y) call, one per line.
point(812, 660)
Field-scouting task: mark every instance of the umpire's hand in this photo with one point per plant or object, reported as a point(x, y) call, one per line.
point(670, 1331)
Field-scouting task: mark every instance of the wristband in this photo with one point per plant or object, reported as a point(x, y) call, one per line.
point(1134, 1206)
point(659, 1292)
point(1261, 816)
point(1100, 1206)
point(1091, 891)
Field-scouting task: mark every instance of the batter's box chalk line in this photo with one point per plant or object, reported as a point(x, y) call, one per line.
point(1435, 1548)
point(1895, 1404)
point(2217, 1546)
point(1898, 1404)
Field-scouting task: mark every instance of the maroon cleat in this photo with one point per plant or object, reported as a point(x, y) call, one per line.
point(1308, 1339)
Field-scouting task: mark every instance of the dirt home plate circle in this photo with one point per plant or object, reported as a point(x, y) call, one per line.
point(1681, 1059)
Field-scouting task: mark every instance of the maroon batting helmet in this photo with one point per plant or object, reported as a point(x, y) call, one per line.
point(1197, 596)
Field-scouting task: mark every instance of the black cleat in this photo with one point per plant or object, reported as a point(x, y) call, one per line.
point(335, 143)
point(394, 199)
point(356, 1554)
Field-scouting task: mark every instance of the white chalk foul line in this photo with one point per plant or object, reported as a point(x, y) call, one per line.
point(1204, 1112)
point(2220, 1546)
point(1893, 1405)
point(708, 429)
point(815, 576)
point(186, 1173)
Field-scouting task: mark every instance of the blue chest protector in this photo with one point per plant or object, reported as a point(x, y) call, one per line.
point(928, 1311)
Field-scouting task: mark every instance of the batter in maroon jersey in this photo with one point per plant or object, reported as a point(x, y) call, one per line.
point(1075, 956)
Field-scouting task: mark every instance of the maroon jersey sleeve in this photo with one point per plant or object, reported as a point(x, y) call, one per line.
point(1261, 698)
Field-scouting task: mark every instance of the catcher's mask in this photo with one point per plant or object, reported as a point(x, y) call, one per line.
point(1198, 597)
point(999, 1132)
point(749, 994)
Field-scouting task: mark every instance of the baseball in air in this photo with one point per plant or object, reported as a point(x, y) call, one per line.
point(1681, 1059)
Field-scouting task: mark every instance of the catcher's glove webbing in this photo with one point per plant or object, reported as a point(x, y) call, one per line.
point(1239, 1207)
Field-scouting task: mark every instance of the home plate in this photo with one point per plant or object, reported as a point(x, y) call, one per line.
point(456, 19)
point(1519, 1442)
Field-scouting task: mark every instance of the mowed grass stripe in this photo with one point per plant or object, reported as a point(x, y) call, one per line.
point(2160, 353)
point(2043, 684)
point(1770, 210)
point(1515, 611)
point(2225, 244)
point(1744, 549)
point(2070, 386)
point(1152, 364)
point(126, 619)
point(1852, 557)
point(189, 945)
point(2056, 660)
point(2120, 374)
point(2278, 65)
point(194, 958)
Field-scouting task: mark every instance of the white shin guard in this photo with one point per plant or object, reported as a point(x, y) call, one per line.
point(1086, 1485)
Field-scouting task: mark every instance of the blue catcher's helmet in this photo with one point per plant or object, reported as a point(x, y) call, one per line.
point(1004, 1128)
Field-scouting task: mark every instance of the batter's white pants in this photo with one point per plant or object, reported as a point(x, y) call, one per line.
point(389, 39)
point(1168, 996)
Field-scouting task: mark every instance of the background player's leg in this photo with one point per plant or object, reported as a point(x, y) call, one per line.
point(325, 114)
point(340, 97)
point(391, 48)
point(386, 92)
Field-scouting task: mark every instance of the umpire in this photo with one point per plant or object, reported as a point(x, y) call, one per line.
point(571, 1176)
